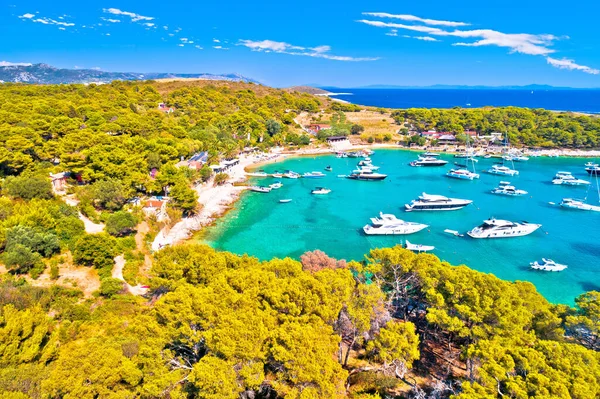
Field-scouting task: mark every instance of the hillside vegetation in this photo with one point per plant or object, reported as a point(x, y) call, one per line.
point(219, 326)
point(213, 325)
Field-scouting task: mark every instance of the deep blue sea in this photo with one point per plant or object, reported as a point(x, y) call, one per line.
point(587, 101)
point(260, 226)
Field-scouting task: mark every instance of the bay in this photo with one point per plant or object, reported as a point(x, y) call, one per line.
point(261, 226)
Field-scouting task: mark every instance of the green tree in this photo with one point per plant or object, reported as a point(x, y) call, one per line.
point(97, 250)
point(28, 187)
point(120, 223)
point(110, 287)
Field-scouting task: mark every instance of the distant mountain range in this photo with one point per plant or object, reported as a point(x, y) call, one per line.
point(465, 87)
point(46, 74)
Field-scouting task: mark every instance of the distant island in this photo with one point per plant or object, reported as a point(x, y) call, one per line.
point(466, 87)
point(47, 74)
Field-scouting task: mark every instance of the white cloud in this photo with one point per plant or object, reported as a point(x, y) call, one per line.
point(165, 27)
point(180, 45)
point(134, 17)
point(50, 21)
point(27, 16)
point(216, 41)
point(108, 34)
point(190, 42)
point(523, 43)
point(111, 20)
point(220, 48)
point(199, 47)
point(61, 28)
point(96, 68)
point(184, 39)
point(286, 48)
point(413, 18)
point(566, 63)
point(8, 64)
point(393, 33)
point(171, 34)
point(426, 38)
point(148, 24)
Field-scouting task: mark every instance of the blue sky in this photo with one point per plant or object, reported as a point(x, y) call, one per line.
point(345, 44)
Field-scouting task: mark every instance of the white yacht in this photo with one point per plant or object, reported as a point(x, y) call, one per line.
point(320, 191)
point(463, 174)
point(548, 265)
point(496, 228)
point(388, 224)
point(366, 174)
point(580, 205)
point(313, 175)
point(428, 202)
point(260, 189)
point(568, 179)
point(506, 189)
point(276, 185)
point(277, 175)
point(428, 161)
point(592, 168)
point(502, 170)
point(291, 175)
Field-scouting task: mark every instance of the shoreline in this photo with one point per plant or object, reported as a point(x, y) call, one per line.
point(216, 201)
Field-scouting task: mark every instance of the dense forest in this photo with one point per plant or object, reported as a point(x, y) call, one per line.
point(219, 326)
point(529, 127)
point(214, 325)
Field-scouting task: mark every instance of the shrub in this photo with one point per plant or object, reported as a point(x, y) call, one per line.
point(28, 187)
point(120, 224)
point(95, 250)
point(110, 287)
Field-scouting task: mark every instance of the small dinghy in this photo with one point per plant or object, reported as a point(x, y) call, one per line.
point(454, 233)
point(418, 247)
point(259, 189)
point(275, 186)
point(285, 201)
point(320, 191)
point(548, 265)
point(329, 169)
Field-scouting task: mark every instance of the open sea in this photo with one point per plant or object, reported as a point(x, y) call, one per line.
point(261, 226)
point(587, 101)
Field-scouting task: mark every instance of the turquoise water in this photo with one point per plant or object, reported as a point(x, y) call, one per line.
point(261, 226)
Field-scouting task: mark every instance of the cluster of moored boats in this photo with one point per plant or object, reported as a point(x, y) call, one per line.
point(389, 224)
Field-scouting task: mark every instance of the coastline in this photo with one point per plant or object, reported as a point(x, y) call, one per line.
point(217, 200)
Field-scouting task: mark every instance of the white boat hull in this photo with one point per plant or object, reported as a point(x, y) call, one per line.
point(400, 230)
point(519, 231)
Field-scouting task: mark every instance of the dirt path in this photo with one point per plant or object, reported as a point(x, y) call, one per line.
point(117, 272)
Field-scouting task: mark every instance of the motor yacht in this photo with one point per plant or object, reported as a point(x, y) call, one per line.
point(463, 174)
point(428, 161)
point(388, 224)
point(568, 179)
point(430, 154)
point(502, 170)
point(506, 189)
point(428, 202)
point(580, 205)
point(277, 175)
point(497, 228)
point(313, 175)
point(592, 168)
point(548, 265)
point(291, 175)
point(366, 174)
point(320, 191)
point(260, 189)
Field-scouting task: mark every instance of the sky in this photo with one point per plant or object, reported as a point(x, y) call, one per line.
point(328, 43)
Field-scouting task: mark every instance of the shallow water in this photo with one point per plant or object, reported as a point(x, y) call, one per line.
point(260, 226)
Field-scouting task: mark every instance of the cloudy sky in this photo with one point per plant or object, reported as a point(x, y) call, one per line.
point(331, 43)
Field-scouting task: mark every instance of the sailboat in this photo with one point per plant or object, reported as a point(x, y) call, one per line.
point(464, 172)
point(581, 205)
point(504, 170)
